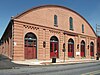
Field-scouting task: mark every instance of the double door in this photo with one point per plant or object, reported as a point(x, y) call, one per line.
point(70, 50)
point(53, 49)
point(91, 50)
point(30, 49)
point(82, 50)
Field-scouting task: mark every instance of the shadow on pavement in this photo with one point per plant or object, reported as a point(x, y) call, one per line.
point(5, 63)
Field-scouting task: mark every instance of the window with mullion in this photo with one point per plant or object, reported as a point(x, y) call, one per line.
point(55, 21)
point(82, 28)
point(71, 23)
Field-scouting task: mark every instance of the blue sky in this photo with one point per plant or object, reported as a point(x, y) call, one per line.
point(89, 9)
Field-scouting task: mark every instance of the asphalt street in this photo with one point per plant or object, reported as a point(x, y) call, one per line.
point(68, 69)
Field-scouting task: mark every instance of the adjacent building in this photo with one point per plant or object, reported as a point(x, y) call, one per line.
point(98, 46)
point(49, 31)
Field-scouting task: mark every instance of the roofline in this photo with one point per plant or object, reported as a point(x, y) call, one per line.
point(42, 6)
point(6, 28)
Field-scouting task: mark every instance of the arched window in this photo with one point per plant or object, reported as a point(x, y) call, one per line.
point(82, 28)
point(30, 46)
point(55, 21)
point(71, 23)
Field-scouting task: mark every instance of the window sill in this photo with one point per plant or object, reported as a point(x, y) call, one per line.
point(72, 29)
point(56, 25)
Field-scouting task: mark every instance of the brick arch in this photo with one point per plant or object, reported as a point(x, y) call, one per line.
point(30, 46)
point(46, 6)
point(54, 47)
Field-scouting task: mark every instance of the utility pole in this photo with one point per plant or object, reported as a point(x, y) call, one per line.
point(98, 30)
point(98, 41)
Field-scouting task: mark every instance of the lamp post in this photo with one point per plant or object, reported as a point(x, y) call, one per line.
point(64, 50)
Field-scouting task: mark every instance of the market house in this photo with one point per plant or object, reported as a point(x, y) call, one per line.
point(49, 31)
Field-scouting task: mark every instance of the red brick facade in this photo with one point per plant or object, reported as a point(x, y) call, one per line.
point(98, 46)
point(34, 35)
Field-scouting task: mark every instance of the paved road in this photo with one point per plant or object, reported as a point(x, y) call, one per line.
point(72, 69)
point(5, 63)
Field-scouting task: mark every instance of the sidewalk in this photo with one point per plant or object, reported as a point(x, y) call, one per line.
point(6, 63)
point(49, 62)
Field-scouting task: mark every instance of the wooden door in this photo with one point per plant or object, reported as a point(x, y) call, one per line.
point(30, 49)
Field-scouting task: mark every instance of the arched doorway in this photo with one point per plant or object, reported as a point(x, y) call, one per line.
point(70, 48)
point(91, 49)
point(54, 46)
point(30, 46)
point(82, 48)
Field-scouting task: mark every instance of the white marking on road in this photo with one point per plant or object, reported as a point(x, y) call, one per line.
point(92, 73)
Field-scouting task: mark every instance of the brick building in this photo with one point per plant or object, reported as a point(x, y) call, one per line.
point(98, 46)
point(49, 31)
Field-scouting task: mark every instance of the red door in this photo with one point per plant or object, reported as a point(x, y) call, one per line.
point(30, 49)
point(91, 50)
point(70, 50)
point(53, 49)
point(82, 50)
